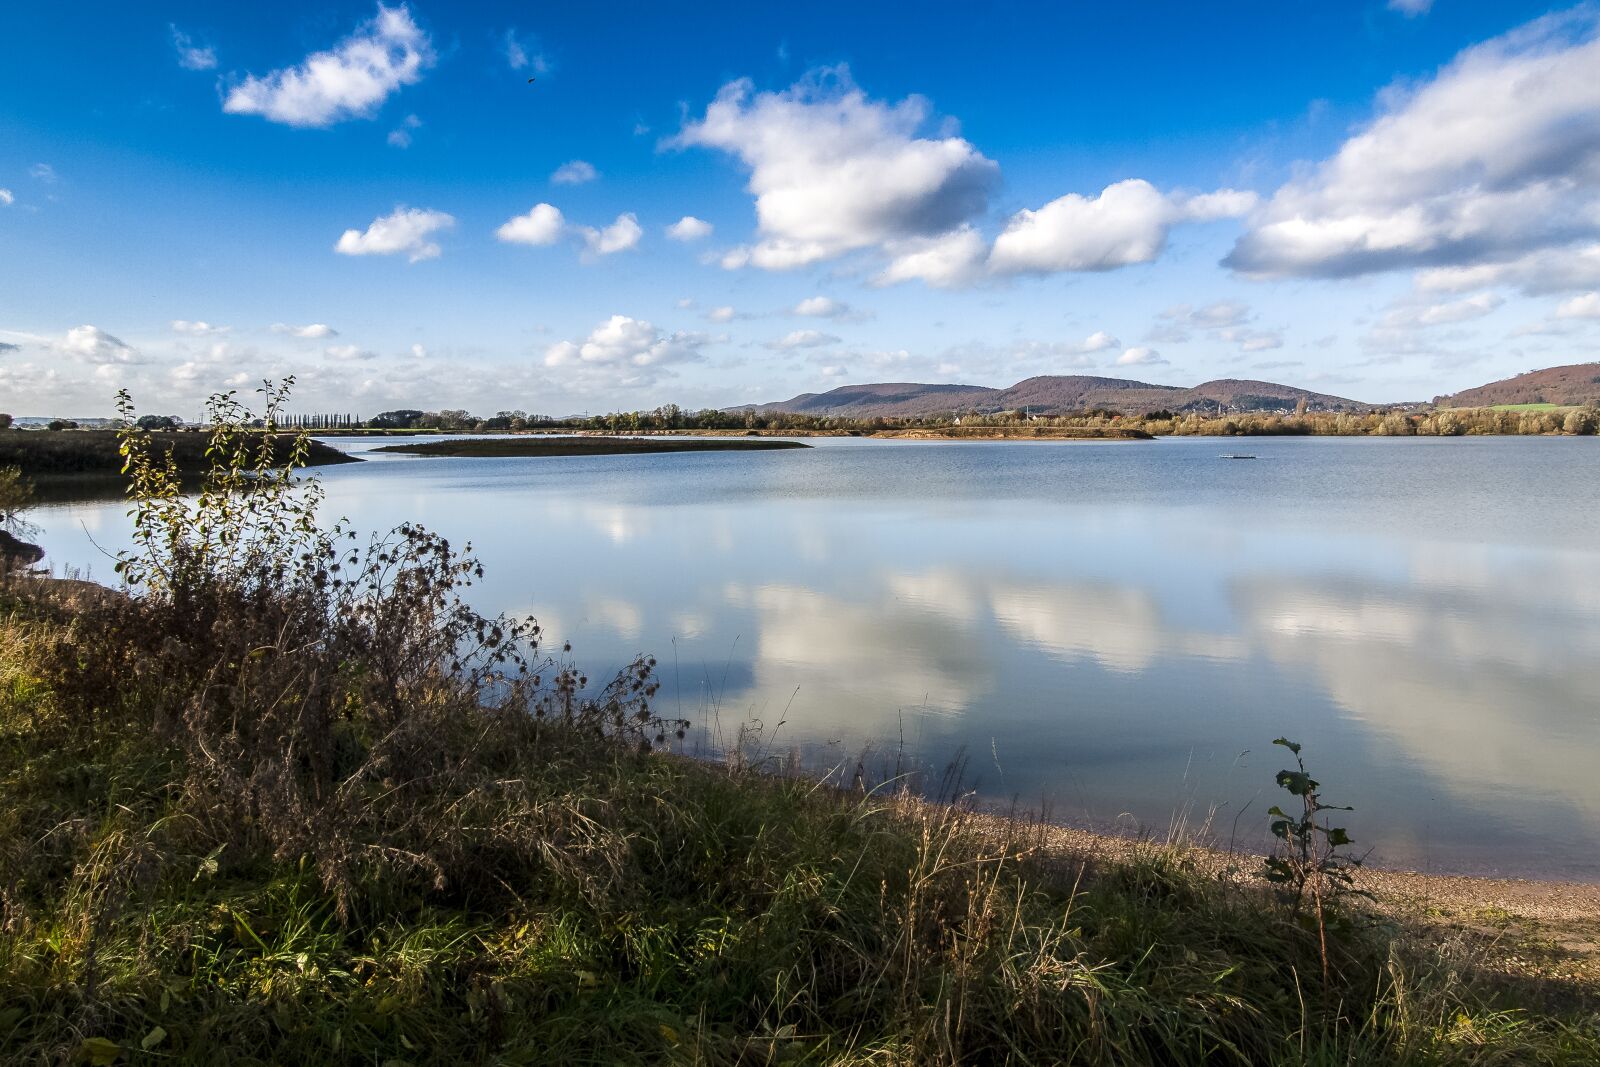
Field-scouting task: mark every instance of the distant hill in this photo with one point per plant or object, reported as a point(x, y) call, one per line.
point(1056, 393)
point(1575, 384)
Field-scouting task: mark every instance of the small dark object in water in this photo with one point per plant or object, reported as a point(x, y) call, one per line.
point(1235, 455)
point(15, 552)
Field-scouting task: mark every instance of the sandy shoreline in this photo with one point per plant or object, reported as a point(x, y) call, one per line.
point(1530, 926)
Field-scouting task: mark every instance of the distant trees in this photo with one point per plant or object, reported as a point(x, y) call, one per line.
point(159, 422)
point(5, 421)
point(61, 424)
point(399, 419)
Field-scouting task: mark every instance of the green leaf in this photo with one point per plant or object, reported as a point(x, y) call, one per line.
point(1288, 744)
point(1297, 782)
point(153, 1038)
point(1337, 836)
point(99, 1051)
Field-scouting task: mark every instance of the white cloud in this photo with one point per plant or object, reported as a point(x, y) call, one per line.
point(833, 171)
point(7, 198)
point(1419, 316)
point(1496, 157)
point(945, 262)
point(1098, 341)
point(624, 342)
point(1545, 270)
point(400, 137)
point(542, 225)
point(43, 172)
point(1221, 204)
point(521, 53)
point(316, 331)
point(1223, 320)
point(348, 353)
point(408, 230)
point(1139, 356)
point(190, 55)
point(350, 80)
point(803, 339)
point(197, 328)
point(94, 345)
point(1411, 8)
point(620, 236)
point(1126, 224)
point(575, 172)
point(1583, 306)
point(689, 228)
point(1252, 340)
point(722, 314)
point(821, 307)
point(418, 352)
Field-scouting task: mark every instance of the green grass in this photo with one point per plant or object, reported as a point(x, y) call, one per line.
point(611, 907)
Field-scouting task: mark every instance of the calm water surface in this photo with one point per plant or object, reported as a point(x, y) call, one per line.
point(1113, 633)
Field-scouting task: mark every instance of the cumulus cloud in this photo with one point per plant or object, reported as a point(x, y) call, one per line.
point(1546, 270)
point(94, 345)
point(1098, 341)
point(1139, 356)
point(1420, 316)
point(400, 136)
point(833, 171)
point(348, 353)
point(315, 331)
point(620, 236)
point(407, 230)
point(574, 172)
point(349, 80)
point(1493, 159)
point(689, 228)
point(803, 339)
point(1584, 306)
point(945, 262)
point(7, 198)
point(197, 328)
point(821, 307)
point(190, 55)
point(1126, 224)
point(722, 314)
point(542, 225)
point(624, 342)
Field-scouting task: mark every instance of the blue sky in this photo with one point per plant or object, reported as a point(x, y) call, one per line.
point(1385, 199)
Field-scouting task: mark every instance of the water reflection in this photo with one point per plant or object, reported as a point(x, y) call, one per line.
point(1117, 633)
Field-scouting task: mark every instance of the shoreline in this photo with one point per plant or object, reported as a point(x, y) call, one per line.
point(1534, 925)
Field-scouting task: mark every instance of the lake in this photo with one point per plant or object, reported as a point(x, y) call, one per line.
point(1111, 633)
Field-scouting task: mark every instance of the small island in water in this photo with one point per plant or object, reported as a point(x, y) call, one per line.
point(584, 446)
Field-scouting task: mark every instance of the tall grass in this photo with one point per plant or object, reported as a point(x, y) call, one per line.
point(290, 801)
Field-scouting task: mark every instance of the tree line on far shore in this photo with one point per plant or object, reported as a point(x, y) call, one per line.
point(1379, 422)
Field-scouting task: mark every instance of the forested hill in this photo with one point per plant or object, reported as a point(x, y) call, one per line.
point(1052, 394)
point(1576, 384)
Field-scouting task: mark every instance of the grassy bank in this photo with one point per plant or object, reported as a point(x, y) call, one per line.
point(554, 896)
point(537, 445)
point(94, 453)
